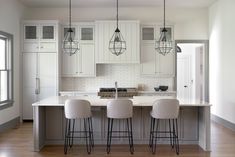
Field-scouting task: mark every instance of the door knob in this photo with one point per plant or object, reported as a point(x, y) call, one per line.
point(185, 86)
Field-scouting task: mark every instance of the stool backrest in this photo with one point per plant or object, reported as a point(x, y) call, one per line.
point(77, 108)
point(120, 108)
point(165, 109)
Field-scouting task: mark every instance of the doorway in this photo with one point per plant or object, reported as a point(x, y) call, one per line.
point(192, 62)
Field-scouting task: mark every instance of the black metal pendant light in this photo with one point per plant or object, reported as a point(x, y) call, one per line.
point(117, 44)
point(70, 46)
point(164, 45)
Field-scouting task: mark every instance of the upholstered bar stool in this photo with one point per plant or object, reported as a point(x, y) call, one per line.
point(120, 109)
point(164, 109)
point(78, 109)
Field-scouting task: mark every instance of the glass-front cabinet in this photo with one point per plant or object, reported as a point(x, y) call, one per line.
point(45, 32)
point(86, 33)
point(40, 36)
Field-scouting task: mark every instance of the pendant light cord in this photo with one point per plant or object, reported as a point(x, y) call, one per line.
point(164, 12)
point(117, 13)
point(70, 14)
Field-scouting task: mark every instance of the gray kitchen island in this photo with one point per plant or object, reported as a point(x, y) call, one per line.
point(48, 128)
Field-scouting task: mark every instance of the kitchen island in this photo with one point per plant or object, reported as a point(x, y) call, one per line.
point(49, 121)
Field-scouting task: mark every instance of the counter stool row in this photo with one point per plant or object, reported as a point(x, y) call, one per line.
point(163, 109)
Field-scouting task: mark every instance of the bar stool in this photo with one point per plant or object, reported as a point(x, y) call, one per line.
point(78, 109)
point(120, 109)
point(164, 109)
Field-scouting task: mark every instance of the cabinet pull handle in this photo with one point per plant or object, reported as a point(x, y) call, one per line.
point(37, 90)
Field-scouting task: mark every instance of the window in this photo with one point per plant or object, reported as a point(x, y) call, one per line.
point(6, 70)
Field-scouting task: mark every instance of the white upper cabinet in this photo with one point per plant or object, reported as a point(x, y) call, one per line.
point(152, 63)
point(40, 36)
point(131, 34)
point(81, 64)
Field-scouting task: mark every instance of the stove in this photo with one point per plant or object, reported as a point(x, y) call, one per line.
point(122, 92)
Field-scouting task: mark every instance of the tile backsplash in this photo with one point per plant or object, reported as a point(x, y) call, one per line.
point(127, 75)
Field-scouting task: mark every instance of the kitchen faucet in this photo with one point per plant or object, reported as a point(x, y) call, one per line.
point(116, 90)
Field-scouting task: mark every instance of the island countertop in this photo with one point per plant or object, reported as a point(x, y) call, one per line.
point(97, 101)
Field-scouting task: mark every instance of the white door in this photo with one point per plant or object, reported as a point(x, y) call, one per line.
point(29, 83)
point(47, 75)
point(86, 60)
point(184, 88)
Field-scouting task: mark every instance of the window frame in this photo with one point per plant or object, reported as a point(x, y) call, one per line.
point(9, 69)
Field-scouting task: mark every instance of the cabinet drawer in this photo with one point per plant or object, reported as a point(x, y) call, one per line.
point(31, 47)
point(48, 47)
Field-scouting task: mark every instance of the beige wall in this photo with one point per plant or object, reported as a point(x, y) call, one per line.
point(10, 14)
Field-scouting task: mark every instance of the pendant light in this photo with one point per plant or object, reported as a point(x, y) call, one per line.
point(70, 46)
point(164, 44)
point(117, 44)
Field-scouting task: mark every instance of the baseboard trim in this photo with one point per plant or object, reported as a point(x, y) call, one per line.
point(10, 124)
point(223, 122)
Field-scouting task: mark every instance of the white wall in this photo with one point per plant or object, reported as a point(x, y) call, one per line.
point(222, 54)
point(189, 23)
point(10, 15)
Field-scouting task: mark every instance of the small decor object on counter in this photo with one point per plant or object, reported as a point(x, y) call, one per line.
point(163, 88)
point(156, 89)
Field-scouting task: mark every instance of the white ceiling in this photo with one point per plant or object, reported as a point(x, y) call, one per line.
point(122, 3)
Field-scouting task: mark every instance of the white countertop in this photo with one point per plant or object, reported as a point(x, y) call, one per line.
point(97, 101)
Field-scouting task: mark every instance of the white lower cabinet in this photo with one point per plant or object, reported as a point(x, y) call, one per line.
point(82, 64)
point(155, 64)
point(39, 79)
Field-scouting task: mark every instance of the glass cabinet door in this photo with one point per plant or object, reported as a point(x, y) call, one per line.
point(148, 33)
point(48, 32)
point(86, 33)
point(30, 32)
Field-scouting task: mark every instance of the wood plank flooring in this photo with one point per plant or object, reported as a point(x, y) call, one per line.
point(18, 142)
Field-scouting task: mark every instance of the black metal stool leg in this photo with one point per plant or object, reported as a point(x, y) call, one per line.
point(71, 141)
point(69, 132)
point(66, 137)
point(132, 145)
point(128, 131)
point(150, 132)
point(170, 132)
point(155, 135)
point(107, 146)
point(92, 134)
point(86, 131)
point(177, 138)
point(110, 134)
point(109, 138)
point(153, 132)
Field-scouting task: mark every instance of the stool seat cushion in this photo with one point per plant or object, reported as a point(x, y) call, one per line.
point(120, 108)
point(77, 108)
point(165, 109)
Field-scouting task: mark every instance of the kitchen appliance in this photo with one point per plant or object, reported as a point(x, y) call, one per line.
point(122, 92)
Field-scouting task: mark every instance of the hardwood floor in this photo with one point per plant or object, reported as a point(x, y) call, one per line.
point(19, 143)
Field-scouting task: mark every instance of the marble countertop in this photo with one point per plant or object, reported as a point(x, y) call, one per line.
point(97, 101)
